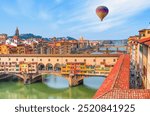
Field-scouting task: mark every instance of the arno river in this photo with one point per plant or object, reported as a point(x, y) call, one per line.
point(53, 87)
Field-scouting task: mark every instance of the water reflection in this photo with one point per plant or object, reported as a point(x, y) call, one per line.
point(55, 87)
point(93, 82)
point(57, 82)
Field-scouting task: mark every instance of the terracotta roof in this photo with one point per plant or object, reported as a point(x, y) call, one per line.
point(144, 40)
point(143, 30)
point(147, 43)
point(116, 85)
point(108, 84)
point(127, 94)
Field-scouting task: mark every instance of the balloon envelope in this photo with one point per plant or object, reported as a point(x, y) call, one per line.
point(102, 12)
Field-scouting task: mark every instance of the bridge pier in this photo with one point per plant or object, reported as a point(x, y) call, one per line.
point(75, 80)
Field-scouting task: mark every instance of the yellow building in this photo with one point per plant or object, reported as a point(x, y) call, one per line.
point(7, 49)
point(78, 68)
point(81, 68)
point(144, 33)
point(27, 67)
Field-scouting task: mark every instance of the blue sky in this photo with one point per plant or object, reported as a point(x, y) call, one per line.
point(74, 18)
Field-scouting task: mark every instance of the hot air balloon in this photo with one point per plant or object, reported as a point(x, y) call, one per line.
point(102, 12)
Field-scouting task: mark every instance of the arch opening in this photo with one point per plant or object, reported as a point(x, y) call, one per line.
point(49, 67)
point(57, 67)
point(41, 67)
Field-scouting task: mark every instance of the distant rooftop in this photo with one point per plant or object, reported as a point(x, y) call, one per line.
point(144, 30)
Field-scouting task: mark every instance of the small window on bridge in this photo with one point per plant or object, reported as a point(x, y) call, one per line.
point(75, 60)
point(24, 59)
point(57, 60)
point(104, 60)
point(40, 59)
point(16, 59)
point(114, 60)
point(84, 60)
point(66, 60)
point(94, 60)
point(0, 58)
point(9, 59)
point(32, 59)
point(49, 60)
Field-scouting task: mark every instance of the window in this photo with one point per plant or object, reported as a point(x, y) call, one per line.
point(94, 60)
point(16, 59)
point(114, 60)
point(32, 59)
point(66, 60)
point(104, 60)
point(9, 59)
point(40, 59)
point(75, 60)
point(148, 32)
point(84, 60)
point(24, 59)
point(49, 60)
point(57, 60)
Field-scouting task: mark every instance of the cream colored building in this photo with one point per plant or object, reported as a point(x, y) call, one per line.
point(140, 55)
point(50, 62)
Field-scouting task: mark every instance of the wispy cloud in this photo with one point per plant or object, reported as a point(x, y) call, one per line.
point(120, 12)
point(74, 17)
point(9, 10)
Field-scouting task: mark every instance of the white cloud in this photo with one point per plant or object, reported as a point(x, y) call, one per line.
point(120, 12)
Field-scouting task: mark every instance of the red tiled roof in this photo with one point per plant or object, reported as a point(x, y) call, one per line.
point(127, 94)
point(116, 85)
point(108, 84)
point(144, 40)
point(143, 30)
point(147, 43)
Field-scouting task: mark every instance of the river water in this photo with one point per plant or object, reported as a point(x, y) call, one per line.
point(54, 87)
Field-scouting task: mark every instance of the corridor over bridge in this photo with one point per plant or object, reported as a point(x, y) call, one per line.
point(37, 64)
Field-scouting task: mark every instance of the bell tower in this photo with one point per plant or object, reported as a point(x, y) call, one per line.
point(17, 32)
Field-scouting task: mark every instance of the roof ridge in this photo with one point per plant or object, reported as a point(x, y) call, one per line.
point(118, 72)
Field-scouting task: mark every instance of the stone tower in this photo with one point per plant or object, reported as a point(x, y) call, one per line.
point(17, 32)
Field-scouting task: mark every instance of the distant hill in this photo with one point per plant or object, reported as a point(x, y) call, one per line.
point(30, 35)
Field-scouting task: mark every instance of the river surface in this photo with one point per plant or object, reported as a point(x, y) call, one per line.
point(54, 87)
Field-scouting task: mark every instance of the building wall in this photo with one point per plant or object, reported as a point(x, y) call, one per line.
point(145, 58)
point(148, 69)
point(90, 60)
point(4, 49)
point(144, 33)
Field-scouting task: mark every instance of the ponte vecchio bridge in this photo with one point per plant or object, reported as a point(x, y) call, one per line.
point(31, 66)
